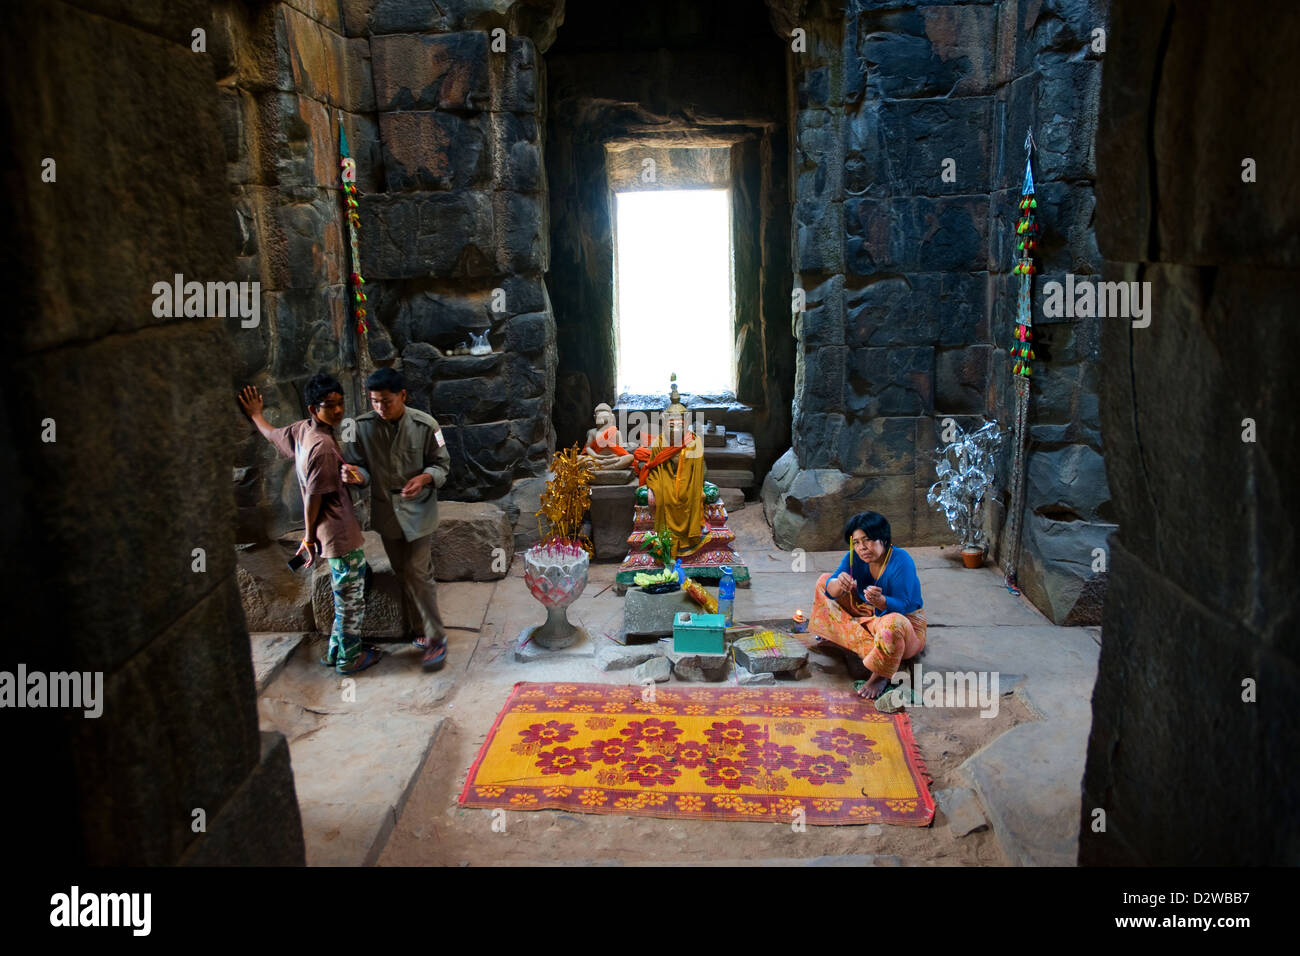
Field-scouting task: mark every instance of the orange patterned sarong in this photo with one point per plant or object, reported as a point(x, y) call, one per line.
point(882, 642)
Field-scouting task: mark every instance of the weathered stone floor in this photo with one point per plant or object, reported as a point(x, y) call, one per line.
point(378, 776)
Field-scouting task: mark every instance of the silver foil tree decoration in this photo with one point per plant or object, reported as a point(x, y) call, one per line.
point(966, 469)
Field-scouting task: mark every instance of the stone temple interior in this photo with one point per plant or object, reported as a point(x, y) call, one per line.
point(874, 155)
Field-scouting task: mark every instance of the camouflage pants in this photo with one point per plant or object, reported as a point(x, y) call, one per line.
point(348, 581)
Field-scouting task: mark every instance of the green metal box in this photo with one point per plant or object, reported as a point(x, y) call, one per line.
point(699, 633)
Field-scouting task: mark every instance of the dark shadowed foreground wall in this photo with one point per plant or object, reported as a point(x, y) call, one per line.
point(100, 526)
point(1202, 593)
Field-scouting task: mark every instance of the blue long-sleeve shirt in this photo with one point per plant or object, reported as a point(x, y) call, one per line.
point(901, 586)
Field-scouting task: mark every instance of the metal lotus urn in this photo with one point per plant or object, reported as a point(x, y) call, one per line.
point(555, 573)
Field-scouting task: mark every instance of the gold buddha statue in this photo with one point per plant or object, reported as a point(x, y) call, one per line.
point(672, 467)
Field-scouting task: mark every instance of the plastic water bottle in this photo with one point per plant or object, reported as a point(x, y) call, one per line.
point(681, 575)
point(726, 594)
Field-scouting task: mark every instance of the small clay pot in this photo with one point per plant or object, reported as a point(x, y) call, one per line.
point(972, 558)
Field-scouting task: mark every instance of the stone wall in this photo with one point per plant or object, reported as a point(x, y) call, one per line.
point(1056, 79)
point(1202, 596)
point(686, 75)
point(906, 271)
point(119, 523)
point(443, 117)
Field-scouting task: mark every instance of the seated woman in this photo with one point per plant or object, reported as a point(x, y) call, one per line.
point(871, 603)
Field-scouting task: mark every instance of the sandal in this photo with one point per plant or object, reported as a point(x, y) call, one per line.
point(368, 657)
point(435, 655)
point(893, 700)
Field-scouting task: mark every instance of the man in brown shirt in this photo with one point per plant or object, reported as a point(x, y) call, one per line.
point(329, 522)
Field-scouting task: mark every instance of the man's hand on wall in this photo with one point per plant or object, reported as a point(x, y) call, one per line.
point(251, 400)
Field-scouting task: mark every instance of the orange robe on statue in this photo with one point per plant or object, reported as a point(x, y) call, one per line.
point(675, 476)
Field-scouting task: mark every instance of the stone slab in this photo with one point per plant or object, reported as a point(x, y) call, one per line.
point(770, 652)
point(653, 614)
point(657, 669)
point(1029, 781)
point(733, 499)
point(962, 809)
point(746, 677)
point(731, 477)
point(274, 598)
point(737, 454)
point(469, 542)
point(700, 667)
point(612, 656)
point(528, 651)
point(356, 749)
point(464, 604)
point(964, 597)
point(270, 651)
point(615, 477)
point(803, 673)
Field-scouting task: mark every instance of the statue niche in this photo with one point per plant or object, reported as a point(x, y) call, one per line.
point(670, 472)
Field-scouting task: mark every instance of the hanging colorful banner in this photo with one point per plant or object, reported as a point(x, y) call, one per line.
point(1022, 357)
point(348, 184)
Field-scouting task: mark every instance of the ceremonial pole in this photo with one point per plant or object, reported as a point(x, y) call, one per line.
point(348, 184)
point(1022, 353)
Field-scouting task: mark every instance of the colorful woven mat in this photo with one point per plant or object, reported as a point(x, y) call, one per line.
point(712, 753)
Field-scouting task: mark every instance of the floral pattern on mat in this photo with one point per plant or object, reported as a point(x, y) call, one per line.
point(704, 753)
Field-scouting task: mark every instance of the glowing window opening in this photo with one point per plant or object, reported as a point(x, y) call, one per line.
point(673, 301)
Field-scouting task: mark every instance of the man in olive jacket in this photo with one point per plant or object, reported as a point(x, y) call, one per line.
point(400, 453)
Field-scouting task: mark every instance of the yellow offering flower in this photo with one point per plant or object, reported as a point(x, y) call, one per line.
point(566, 500)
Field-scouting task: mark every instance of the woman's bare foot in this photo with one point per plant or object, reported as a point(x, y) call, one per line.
point(873, 688)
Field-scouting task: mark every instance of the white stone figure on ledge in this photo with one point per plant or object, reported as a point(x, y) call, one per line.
point(604, 447)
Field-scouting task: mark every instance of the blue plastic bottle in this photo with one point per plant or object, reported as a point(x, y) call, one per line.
point(726, 594)
point(681, 575)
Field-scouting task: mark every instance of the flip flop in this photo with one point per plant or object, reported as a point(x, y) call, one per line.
point(435, 656)
point(368, 657)
point(892, 701)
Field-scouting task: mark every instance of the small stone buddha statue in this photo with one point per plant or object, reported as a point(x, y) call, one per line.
point(604, 447)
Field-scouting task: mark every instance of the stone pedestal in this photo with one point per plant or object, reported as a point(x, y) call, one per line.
point(615, 477)
point(715, 552)
point(612, 508)
point(652, 614)
point(770, 652)
point(466, 540)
